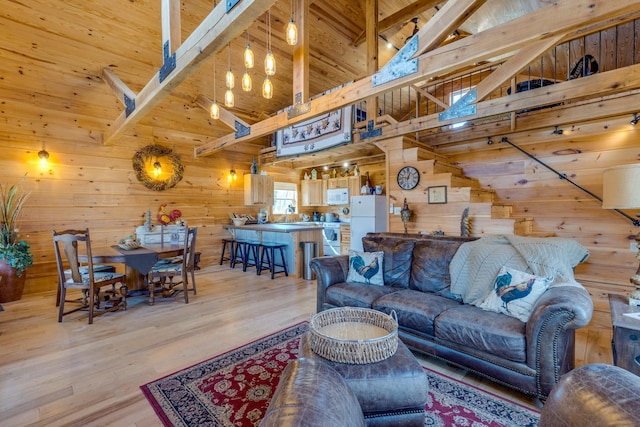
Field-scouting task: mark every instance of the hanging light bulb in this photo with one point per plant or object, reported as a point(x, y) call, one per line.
point(267, 88)
point(43, 155)
point(248, 55)
point(291, 30)
point(228, 98)
point(214, 109)
point(246, 81)
point(230, 79)
point(157, 168)
point(269, 60)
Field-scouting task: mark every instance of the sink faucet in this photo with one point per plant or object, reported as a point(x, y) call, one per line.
point(290, 209)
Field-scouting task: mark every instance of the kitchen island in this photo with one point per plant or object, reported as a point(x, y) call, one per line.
point(290, 234)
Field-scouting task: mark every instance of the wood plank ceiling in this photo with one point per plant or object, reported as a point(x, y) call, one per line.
point(54, 53)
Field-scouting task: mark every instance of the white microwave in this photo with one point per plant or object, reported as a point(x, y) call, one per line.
point(338, 196)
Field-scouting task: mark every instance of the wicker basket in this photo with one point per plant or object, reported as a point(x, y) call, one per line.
point(353, 335)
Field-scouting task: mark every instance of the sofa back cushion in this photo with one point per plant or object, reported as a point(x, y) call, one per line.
point(398, 254)
point(430, 268)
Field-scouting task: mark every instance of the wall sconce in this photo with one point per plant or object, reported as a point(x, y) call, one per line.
point(157, 169)
point(635, 119)
point(44, 156)
point(232, 175)
point(557, 131)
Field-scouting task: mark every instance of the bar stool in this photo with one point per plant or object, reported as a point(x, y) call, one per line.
point(251, 253)
point(238, 254)
point(269, 249)
point(230, 244)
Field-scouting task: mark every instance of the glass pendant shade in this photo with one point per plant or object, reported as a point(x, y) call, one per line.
point(292, 33)
point(230, 79)
point(246, 81)
point(270, 64)
point(214, 110)
point(228, 98)
point(249, 61)
point(267, 88)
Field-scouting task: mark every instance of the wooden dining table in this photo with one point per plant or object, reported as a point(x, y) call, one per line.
point(135, 260)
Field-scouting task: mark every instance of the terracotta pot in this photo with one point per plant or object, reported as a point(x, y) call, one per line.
point(11, 286)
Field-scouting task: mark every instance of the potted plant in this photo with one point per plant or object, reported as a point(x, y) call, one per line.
point(15, 255)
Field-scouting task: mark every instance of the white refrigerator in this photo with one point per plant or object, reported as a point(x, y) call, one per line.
point(368, 215)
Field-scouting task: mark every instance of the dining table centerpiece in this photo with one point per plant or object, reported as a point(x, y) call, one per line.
point(15, 254)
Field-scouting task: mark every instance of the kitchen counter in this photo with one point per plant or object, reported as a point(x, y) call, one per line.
point(277, 227)
point(291, 234)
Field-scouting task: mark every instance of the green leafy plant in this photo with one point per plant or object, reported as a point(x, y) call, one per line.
point(16, 253)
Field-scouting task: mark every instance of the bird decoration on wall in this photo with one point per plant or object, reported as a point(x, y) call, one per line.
point(465, 225)
point(508, 291)
point(365, 270)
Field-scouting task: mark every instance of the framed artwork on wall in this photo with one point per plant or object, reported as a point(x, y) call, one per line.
point(437, 194)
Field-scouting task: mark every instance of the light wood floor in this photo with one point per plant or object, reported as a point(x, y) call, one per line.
point(75, 374)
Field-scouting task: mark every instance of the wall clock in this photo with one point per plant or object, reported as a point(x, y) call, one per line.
point(408, 178)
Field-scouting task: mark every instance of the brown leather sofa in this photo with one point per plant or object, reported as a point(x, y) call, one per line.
point(594, 395)
point(529, 357)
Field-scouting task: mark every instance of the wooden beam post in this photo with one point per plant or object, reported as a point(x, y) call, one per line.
point(371, 13)
point(301, 53)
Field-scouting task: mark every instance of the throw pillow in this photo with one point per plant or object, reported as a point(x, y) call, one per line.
point(366, 267)
point(515, 293)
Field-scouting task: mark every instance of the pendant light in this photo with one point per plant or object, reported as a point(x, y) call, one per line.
point(267, 88)
point(246, 81)
point(291, 31)
point(269, 60)
point(214, 109)
point(230, 81)
point(248, 55)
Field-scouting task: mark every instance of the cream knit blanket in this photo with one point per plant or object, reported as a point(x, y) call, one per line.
point(476, 264)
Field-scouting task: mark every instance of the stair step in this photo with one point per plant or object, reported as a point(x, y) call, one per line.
point(501, 211)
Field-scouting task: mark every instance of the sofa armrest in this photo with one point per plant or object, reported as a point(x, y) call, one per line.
point(550, 332)
point(593, 395)
point(329, 270)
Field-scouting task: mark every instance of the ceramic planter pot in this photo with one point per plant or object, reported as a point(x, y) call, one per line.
point(11, 286)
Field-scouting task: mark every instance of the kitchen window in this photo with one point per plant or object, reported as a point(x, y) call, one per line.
point(285, 194)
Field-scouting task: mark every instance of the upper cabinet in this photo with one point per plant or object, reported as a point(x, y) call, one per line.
point(258, 190)
point(313, 192)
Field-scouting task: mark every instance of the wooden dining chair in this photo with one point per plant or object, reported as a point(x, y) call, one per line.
point(67, 245)
point(167, 275)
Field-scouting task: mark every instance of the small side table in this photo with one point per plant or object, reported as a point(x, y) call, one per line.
point(626, 334)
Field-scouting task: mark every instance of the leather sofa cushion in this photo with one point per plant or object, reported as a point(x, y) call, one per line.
point(355, 294)
point(415, 310)
point(398, 255)
point(430, 268)
point(482, 330)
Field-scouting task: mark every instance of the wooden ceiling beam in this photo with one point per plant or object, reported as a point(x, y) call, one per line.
point(213, 33)
point(513, 66)
point(594, 86)
point(447, 20)
point(558, 18)
point(402, 16)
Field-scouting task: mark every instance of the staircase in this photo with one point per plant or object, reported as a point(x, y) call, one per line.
point(486, 216)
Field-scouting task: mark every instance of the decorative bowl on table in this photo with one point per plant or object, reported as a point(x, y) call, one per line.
point(129, 244)
point(354, 335)
point(239, 221)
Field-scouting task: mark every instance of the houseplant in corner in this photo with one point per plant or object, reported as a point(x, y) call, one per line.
point(15, 255)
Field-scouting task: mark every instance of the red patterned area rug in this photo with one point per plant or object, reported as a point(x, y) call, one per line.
point(234, 390)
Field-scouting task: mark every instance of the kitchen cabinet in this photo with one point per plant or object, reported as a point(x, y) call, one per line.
point(313, 192)
point(355, 184)
point(342, 182)
point(258, 190)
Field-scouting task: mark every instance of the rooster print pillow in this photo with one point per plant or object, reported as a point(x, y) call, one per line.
point(366, 267)
point(515, 293)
